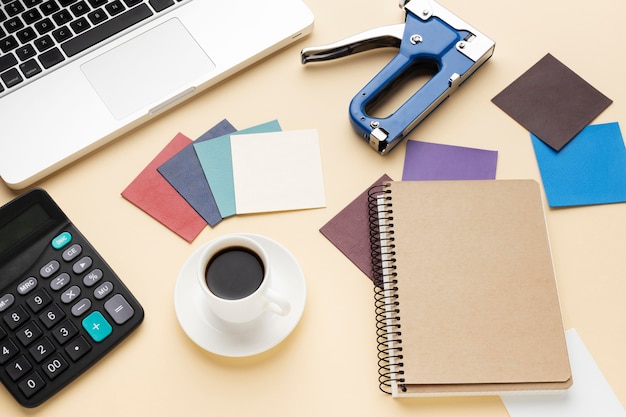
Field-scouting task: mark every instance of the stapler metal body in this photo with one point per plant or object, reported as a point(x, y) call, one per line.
point(431, 35)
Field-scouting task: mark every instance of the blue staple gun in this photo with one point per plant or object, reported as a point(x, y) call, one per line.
point(432, 36)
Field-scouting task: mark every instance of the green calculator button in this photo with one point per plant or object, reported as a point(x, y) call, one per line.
point(61, 240)
point(97, 326)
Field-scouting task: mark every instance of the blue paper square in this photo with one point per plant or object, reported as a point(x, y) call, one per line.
point(184, 172)
point(590, 170)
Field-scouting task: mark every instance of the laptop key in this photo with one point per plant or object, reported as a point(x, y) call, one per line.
point(62, 17)
point(106, 30)
point(80, 8)
point(31, 16)
point(14, 8)
point(160, 5)
point(25, 52)
point(44, 26)
point(11, 78)
point(26, 35)
point(8, 44)
point(97, 16)
point(80, 25)
point(13, 25)
point(62, 34)
point(44, 43)
point(49, 7)
point(7, 61)
point(51, 58)
point(115, 8)
point(30, 68)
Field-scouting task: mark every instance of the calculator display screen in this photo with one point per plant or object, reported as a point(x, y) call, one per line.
point(27, 222)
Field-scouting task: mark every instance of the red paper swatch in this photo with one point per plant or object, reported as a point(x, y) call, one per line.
point(153, 194)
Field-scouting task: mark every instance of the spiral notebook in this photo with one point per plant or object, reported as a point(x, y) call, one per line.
point(466, 296)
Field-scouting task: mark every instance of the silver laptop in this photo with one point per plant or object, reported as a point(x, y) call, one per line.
point(75, 74)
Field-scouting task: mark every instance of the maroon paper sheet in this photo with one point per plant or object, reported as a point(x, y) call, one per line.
point(349, 231)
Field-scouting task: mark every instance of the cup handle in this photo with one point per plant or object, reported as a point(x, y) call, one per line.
point(276, 303)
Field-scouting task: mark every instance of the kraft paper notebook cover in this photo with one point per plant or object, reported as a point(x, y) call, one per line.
point(466, 297)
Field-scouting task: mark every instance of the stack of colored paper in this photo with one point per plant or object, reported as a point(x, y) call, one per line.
point(226, 172)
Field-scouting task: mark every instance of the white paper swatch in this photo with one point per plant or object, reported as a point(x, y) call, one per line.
point(277, 171)
point(590, 394)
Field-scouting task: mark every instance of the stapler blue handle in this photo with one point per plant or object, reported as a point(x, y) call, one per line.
point(431, 35)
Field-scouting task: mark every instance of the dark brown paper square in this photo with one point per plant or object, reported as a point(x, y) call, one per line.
point(552, 102)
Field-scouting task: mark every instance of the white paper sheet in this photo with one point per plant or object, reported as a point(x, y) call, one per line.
point(277, 171)
point(590, 395)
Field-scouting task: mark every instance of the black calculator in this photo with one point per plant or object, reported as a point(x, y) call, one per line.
point(62, 307)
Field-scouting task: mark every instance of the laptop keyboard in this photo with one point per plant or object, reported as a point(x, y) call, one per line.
point(37, 36)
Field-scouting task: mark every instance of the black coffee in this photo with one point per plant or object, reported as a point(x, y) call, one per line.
point(234, 273)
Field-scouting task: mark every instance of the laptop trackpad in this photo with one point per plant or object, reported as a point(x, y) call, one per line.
point(148, 69)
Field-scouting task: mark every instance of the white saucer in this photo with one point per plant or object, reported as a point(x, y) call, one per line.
point(237, 340)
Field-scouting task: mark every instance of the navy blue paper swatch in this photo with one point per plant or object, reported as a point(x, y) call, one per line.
point(184, 172)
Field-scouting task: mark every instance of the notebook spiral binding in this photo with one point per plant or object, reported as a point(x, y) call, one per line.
point(382, 249)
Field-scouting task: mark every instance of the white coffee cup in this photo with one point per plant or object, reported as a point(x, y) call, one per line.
point(234, 274)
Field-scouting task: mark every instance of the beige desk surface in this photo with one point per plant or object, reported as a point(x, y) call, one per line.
point(327, 366)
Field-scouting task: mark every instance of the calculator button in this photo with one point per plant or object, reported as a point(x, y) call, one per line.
point(49, 269)
point(64, 332)
point(54, 366)
point(31, 385)
point(70, 294)
point(91, 278)
point(81, 307)
point(103, 290)
point(97, 326)
point(78, 348)
point(3, 334)
point(38, 300)
point(51, 316)
point(61, 240)
point(42, 350)
point(16, 317)
point(119, 309)
point(59, 282)
point(29, 333)
point(7, 351)
point(6, 301)
point(82, 265)
point(18, 368)
point(72, 252)
point(27, 285)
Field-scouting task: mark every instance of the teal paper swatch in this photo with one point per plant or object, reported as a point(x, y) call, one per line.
point(590, 170)
point(217, 163)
